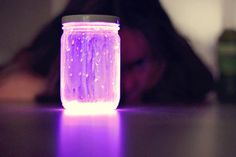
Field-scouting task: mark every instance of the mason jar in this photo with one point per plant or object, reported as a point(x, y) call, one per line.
point(90, 62)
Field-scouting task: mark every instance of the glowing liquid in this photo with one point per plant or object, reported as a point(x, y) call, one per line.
point(90, 66)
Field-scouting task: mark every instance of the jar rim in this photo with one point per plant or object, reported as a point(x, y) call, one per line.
point(90, 18)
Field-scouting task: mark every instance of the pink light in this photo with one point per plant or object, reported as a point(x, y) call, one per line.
point(90, 66)
point(89, 135)
point(74, 108)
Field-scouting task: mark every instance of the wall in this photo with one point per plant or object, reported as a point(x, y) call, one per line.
point(58, 6)
point(20, 21)
point(201, 22)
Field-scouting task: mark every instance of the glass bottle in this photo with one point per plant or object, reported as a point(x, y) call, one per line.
point(227, 67)
point(90, 62)
point(227, 56)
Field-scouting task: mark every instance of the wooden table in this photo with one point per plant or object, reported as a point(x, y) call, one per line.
point(161, 131)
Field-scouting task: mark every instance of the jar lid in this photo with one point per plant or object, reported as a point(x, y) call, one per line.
point(90, 18)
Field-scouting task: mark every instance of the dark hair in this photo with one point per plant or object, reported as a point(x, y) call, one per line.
point(185, 77)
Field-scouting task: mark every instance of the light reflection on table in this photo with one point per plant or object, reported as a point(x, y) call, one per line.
point(89, 135)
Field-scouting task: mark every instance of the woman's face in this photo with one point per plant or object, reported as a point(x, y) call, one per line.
point(140, 71)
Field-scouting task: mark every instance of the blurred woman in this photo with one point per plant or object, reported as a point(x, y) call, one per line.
point(158, 65)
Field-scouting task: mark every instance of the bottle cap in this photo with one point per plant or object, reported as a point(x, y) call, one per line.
point(90, 18)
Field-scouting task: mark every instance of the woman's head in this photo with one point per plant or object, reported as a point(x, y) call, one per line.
point(140, 70)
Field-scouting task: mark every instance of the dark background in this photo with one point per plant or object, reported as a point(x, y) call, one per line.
point(201, 22)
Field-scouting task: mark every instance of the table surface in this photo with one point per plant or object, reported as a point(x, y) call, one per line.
point(182, 131)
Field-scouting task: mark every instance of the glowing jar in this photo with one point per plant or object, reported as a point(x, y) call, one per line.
point(90, 62)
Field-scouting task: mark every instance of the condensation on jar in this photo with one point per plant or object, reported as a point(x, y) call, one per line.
point(90, 62)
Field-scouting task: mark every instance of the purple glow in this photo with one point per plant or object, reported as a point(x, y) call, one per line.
point(89, 136)
point(90, 65)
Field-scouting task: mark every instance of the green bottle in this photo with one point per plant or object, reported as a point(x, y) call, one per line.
point(226, 85)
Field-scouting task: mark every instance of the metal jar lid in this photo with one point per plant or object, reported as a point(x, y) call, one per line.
point(90, 18)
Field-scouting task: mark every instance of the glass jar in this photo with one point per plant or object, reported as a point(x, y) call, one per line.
point(90, 62)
